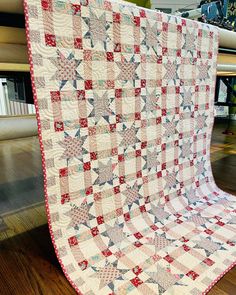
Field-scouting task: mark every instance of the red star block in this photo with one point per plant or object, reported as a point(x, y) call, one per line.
point(154, 227)
point(158, 120)
point(192, 274)
point(73, 241)
point(220, 223)
point(165, 27)
point(127, 216)
point(88, 84)
point(163, 90)
point(142, 13)
point(230, 243)
point(163, 112)
point(142, 208)
point(94, 231)
point(122, 179)
point(107, 253)
point(83, 122)
point(137, 116)
point(50, 40)
point(116, 189)
point(137, 91)
point(159, 60)
point(100, 219)
point(164, 51)
point(208, 262)
point(189, 208)
point(118, 93)
point(117, 47)
point(137, 21)
point(139, 174)
point(93, 156)
point(136, 49)
point(46, 5)
point(110, 56)
point(169, 259)
point(208, 231)
point(89, 190)
point(163, 166)
point(137, 270)
point(78, 43)
point(143, 145)
point(179, 28)
point(76, 8)
point(184, 240)
point(143, 83)
point(65, 198)
point(87, 166)
point(167, 198)
point(55, 96)
point(136, 281)
point(59, 126)
point(177, 215)
point(186, 248)
point(121, 158)
point(138, 235)
point(112, 127)
point(118, 118)
point(137, 244)
point(116, 17)
point(138, 153)
point(63, 172)
point(83, 264)
point(80, 94)
point(159, 174)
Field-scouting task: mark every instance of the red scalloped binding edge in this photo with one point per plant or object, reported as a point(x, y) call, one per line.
point(42, 148)
point(44, 166)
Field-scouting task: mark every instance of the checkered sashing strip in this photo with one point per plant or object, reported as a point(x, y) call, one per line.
point(124, 99)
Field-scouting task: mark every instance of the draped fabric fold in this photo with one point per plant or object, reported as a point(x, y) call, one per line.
point(125, 103)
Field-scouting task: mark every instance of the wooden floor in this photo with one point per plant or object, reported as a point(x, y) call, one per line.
point(21, 177)
point(28, 264)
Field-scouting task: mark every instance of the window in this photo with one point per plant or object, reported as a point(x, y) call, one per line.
point(184, 9)
point(165, 10)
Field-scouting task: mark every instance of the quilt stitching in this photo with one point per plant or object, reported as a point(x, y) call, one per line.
point(125, 105)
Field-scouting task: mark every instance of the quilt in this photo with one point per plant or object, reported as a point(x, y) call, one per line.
point(125, 106)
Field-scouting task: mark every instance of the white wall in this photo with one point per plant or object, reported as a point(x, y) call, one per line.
point(175, 5)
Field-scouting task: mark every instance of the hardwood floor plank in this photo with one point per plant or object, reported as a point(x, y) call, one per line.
point(31, 262)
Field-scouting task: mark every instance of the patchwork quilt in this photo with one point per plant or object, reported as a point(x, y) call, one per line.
point(125, 102)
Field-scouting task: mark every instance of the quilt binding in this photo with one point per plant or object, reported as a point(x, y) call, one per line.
point(44, 165)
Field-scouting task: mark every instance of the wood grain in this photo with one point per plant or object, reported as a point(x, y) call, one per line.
point(13, 53)
point(29, 266)
point(11, 6)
